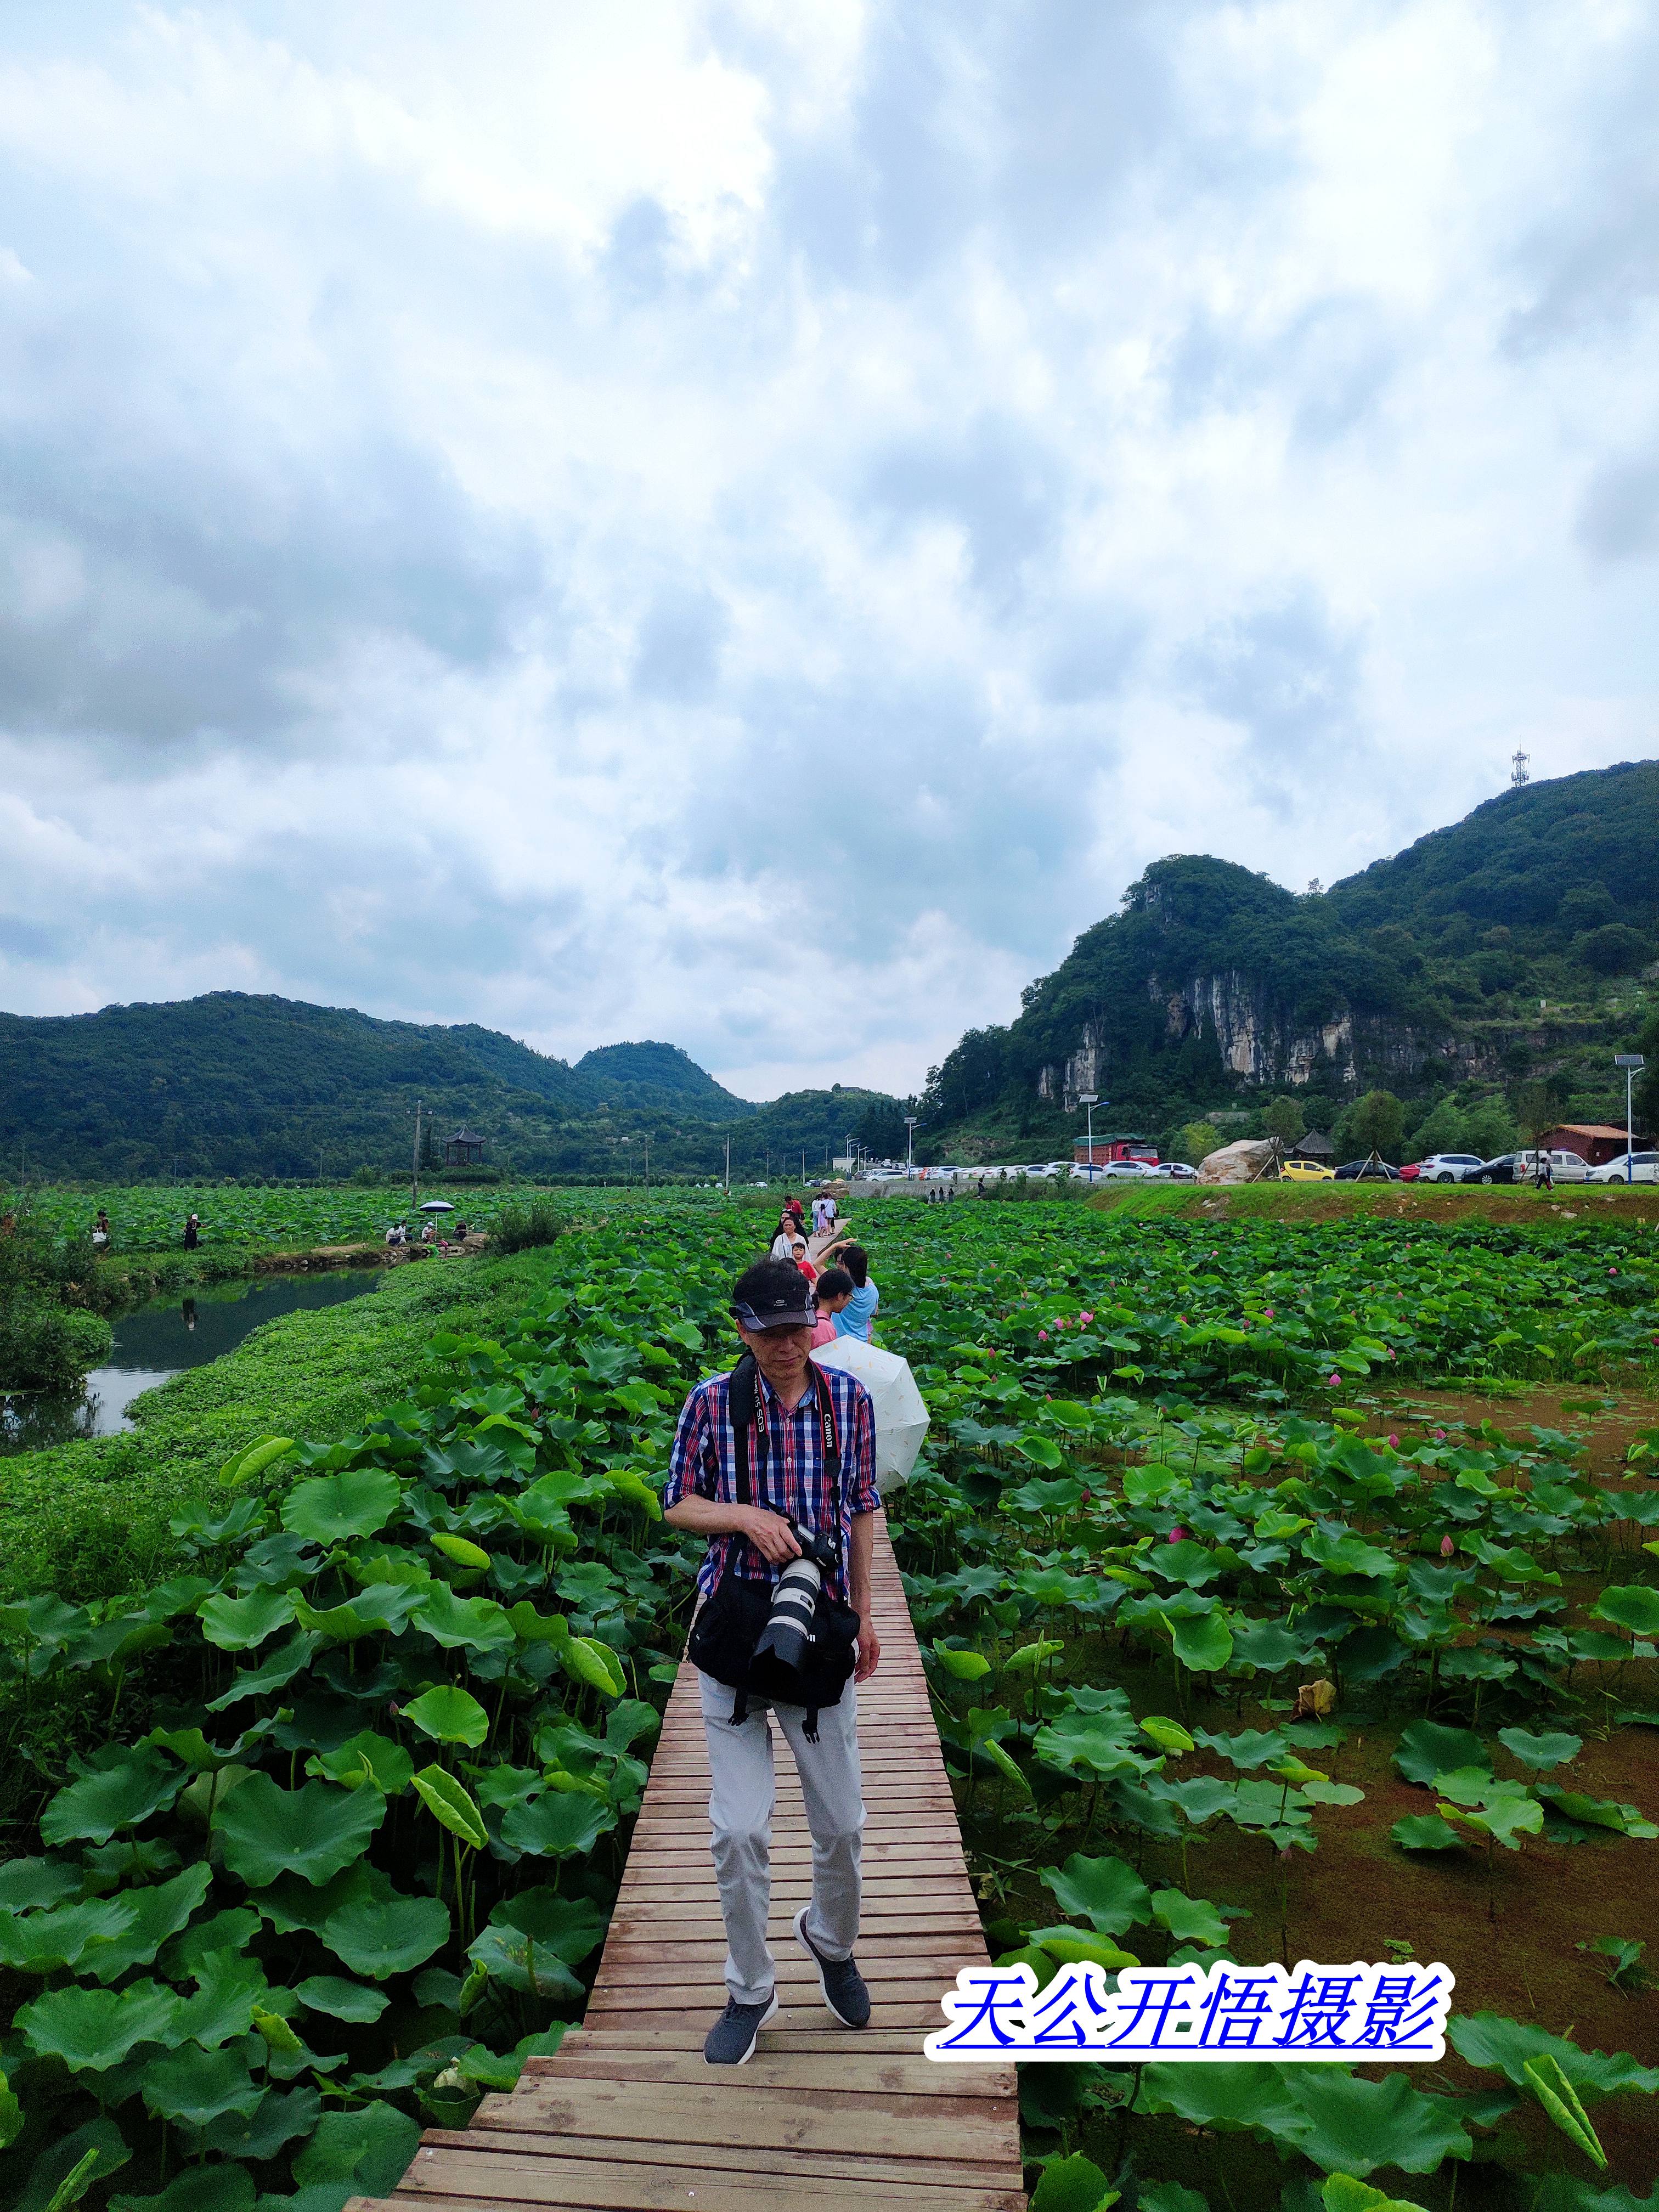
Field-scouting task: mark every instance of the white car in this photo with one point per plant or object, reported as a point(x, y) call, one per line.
point(1447, 1167)
point(1644, 1168)
point(1175, 1171)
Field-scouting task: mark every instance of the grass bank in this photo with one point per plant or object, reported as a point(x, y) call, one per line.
point(90, 1519)
point(1300, 1202)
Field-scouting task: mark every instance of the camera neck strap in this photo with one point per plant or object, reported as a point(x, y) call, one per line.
point(748, 1412)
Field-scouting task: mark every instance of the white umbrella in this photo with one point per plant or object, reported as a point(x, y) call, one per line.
point(436, 1206)
point(901, 1413)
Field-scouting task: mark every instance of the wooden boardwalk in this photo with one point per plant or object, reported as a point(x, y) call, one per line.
point(627, 2117)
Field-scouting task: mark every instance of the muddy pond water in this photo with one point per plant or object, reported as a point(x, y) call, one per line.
point(154, 1341)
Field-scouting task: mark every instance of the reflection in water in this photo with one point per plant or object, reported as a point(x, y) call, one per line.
point(155, 1341)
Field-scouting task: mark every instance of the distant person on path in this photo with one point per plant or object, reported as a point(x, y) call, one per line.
point(783, 1240)
point(830, 1293)
point(193, 1232)
point(807, 1461)
point(857, 1317)
point(831, 1211)
point(797, 1254)
point(1543, 1171)
point(101, 1232)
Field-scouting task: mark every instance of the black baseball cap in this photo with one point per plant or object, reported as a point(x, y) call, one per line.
point(773, 1294)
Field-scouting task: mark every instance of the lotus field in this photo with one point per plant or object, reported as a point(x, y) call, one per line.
point(322, 1832)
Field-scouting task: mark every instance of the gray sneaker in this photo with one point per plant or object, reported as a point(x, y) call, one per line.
point(732, 2039)
point(842, 1984)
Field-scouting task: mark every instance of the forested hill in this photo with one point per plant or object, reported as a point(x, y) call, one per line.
point(231, 1084)
point(1215, 987)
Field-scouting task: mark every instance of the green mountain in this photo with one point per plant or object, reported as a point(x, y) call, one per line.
point(232, 1084)
point(660, 1076)
point(1510, 953)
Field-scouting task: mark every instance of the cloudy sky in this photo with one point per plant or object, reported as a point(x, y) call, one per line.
point(750, 523)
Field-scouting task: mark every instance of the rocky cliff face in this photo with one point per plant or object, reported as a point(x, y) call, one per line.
point(1258, 1040)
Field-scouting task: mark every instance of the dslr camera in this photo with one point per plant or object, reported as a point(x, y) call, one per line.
point(788, 1631)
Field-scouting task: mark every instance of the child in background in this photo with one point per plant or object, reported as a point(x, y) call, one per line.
point(832, 1290)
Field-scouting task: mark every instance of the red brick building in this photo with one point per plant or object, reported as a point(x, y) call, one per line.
point(1597, 1142)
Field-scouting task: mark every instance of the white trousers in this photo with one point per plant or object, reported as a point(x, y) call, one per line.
point(740, 1815)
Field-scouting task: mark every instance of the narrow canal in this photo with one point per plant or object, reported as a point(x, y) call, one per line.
point(154, 1341)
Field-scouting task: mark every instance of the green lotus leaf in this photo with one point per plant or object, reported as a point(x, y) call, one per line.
point(449, 1715)
point(1006, 1766)
point(11, 2115)
point(1188, 1919)
point(533, 1628)
point(1342, 2193)
point(314, 1831)
point(275, 1672)
point(1629, 1605)
point(26, 1884)
point(450, 1805)
point(381, 1609)
point(227, 1989)
point(197, 2085)
point(1348, 2126)
point(119, 1788)
point(1200, 1797)
point(1203, 1642)
point(1599, 1813)
point(243, 1466)
point(232, 1930)
point(469, 1623)
point(1226, 2097)
point(556, 1825)
point(1107, 1893)
point(61, 2173)
point(281, 2117)
point(962, 1666)
point(1073, 1948)
point(217, 2188)
point(566, 1929)
point(237, 1623)
point(594, 1664)
point(156, 1913)
point(1168, 1736)
point(1505, 1819)
point(1547, 2082)
point(92, 2030)
point(57, 1940)
point(1540, 1752)
point(365, 1757)
point(330, 1507)
point(1426, 1832)
point(370, 2148)
point(1030, 1656)
point(1487, 2039)
point(1043, 1451)
point(471, 1556)
point(377, 1938)
point(340, 1999)
point(1427, 1749)
point(1074, 2184)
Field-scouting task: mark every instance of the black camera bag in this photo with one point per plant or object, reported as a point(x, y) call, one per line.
point(733, 1618)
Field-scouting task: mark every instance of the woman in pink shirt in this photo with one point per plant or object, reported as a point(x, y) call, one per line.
point(832, 1290)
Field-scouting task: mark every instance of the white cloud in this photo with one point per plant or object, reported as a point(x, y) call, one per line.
point(753, 524)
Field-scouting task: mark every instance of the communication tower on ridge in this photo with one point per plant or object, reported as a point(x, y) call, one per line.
point(1518, 769)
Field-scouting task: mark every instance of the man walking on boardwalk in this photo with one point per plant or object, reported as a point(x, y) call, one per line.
point(811, 1457)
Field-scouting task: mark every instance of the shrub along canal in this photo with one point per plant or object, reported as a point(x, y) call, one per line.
point(163, 1338)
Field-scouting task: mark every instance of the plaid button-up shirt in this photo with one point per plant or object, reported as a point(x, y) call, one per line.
point(787, 1475)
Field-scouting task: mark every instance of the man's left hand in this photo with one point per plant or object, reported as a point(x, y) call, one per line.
point(869, 1654)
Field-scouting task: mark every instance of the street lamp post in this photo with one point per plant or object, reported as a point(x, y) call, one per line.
point(1633, 1063)
point(910, 1120)
point(1091, 1099)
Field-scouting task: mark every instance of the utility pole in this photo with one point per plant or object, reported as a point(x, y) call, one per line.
point(728, 1167)
point(1091, 1099)
point(803, 1163)
point(1631, 1062)
point(414, 1166)
point(910, 1120)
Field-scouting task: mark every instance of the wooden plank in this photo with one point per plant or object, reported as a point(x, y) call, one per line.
point(628, 2118)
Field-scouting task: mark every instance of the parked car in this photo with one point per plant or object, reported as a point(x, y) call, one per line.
point(1522, 1166)
point(1367, 1171)
point(1644, 1168)
point(1173, 1171)
point(1118, 1171)
point(1441, 1167)
point(1305, 1171)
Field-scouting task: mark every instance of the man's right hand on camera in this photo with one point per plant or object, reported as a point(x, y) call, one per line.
point(770, 1535)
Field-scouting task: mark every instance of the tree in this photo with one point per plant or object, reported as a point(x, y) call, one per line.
point(1318, 1111)
point(1285, 1119)
point(1196, 1142)
point(1376, 1122)
point(1490, 1126)
point(1444, 1130)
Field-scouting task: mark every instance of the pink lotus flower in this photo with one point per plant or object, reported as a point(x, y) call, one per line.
point(1447, 1547)
point(1441, 1433)
point(1394, 1443)
point(1269, 1313)
point(1043, 1336)
point(1083, 1319)
point(1336, 1382)
point(1176, 1535)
